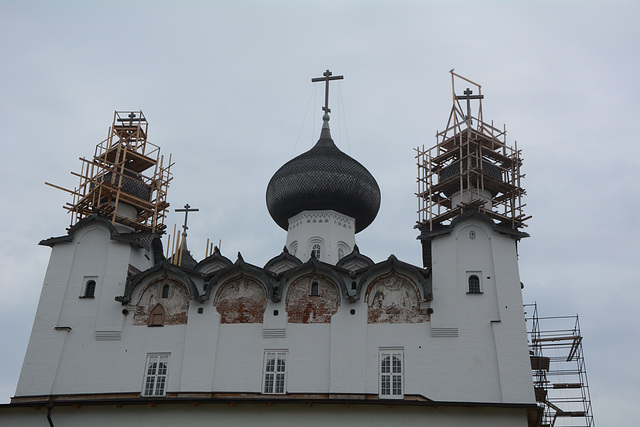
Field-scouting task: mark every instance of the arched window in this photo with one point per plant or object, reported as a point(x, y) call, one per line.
point(474, 284)
point(90, 289)
point(165, 291)
point(343, 249)
point(315, 250)
point(314, 288)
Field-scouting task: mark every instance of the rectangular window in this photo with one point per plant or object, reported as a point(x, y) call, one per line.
point(275, 372)
point(155, 378)
point(391, 373)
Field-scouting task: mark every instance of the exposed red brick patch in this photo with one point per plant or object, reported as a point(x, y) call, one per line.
point(302, 307)
point(241, 300)
point(175, 305)
point(394, 299)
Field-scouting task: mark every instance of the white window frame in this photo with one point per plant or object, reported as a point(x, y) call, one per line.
point(274, 378)
point(156, 373)
point(391, 373)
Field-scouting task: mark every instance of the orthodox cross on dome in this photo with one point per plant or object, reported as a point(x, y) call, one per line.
point(468, 96)
point(327, 76)
point(186, 211)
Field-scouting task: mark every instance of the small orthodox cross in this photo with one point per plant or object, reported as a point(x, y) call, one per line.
point(186, 211)
point(467, 95)
point(132, 117)
point(327, 76)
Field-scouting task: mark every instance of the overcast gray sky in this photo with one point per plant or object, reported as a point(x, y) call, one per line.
point(226, 89)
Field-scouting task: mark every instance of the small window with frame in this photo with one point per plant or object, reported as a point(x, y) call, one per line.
point(89, 288)
point(474, 282)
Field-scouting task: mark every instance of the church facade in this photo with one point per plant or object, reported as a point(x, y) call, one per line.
point(320, 334)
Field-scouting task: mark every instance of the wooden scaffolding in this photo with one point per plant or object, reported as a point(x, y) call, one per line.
point(471, 166)
point(125, 169)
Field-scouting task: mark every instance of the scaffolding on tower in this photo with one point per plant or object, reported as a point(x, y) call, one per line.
point(470, 167)
point(126, 169)
point(558, 369)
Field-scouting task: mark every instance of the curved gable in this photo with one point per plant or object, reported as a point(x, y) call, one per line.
point(214, 262)
point(283, 262)
point(163, 269)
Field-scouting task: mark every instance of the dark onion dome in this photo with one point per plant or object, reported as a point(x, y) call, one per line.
point(323, 178)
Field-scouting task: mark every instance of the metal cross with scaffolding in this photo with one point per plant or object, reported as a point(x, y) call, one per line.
point(468, 96)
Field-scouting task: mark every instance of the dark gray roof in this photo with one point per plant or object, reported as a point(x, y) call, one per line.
point(323, 178)
point(186, 259)
point(355, 257)
point(136, 238)
point(470, 212)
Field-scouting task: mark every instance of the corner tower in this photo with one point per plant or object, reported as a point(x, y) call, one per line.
point(323, 197)
point(470, 221)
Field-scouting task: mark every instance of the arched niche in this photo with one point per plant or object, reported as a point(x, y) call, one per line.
point(312, 298)
point(172, 297)
point(392, 298)
point(241, 300)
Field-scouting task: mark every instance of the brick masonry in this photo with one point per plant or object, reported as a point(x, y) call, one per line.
point(394, 299)
point(241, 300)
point(176, 306)
point(302, 307)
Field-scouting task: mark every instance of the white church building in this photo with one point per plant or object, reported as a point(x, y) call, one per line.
point(128, 333)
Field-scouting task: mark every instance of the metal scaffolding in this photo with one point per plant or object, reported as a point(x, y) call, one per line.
point(471, 166)
point(558, 368)
point(125, 169)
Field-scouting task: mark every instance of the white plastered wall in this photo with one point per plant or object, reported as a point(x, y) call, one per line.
point(331, 229)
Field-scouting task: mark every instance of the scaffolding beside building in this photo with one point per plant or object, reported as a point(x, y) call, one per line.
point(558, 368)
